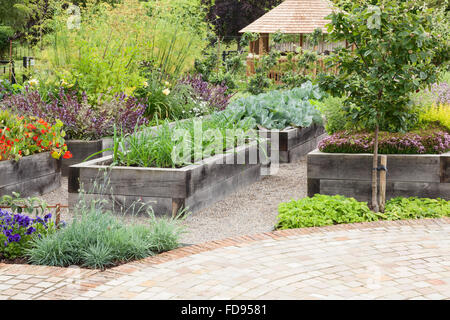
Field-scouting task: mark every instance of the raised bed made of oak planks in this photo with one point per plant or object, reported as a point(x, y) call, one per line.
point(293, 143)
point(408, 175)
point(167, 190)
point(32, 175)
point(81, 149)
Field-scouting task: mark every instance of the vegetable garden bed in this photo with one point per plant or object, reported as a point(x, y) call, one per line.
point(30, 176)
point(408, 175)
point(168, 190)
point(294, 143)
point(82, 149)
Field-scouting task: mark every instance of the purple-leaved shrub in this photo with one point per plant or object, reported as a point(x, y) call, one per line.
point(81, 120)
point(215, 96)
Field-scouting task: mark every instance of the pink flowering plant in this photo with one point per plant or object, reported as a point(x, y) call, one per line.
point(421, 142)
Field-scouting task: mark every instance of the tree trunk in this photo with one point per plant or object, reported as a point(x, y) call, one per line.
point(375, 172)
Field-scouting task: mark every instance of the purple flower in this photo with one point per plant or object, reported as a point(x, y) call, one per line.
point(214, 95)
point(431, 141)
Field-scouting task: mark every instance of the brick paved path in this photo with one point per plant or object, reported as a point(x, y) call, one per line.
point(382, 260)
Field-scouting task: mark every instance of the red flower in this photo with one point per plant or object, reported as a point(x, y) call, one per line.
point(67, 155)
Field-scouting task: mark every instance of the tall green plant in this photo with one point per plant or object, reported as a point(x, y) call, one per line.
point(398, 51)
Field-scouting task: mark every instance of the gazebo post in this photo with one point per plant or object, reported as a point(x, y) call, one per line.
point(263, 43)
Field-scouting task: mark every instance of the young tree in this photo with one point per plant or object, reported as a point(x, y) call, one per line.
point(397, 51)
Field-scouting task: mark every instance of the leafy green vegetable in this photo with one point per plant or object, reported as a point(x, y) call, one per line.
point(323, 210)
point(279, 109)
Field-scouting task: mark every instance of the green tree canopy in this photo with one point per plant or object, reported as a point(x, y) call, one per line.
point(398, 50)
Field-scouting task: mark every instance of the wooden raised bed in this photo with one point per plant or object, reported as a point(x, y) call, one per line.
point(426, 175)
point(81, 149)
point(30, 176)
point(294, 143)
point(167, 190)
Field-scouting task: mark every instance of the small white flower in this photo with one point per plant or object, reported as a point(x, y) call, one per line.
point(166, 91)
point(145, 84)
point(33, 82)
point(166, 84)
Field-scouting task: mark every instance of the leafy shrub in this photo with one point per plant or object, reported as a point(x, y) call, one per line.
point(214, 96)
point(7, 88)
point(336, 118)
point(97, 239)
point(435, 115)
point(81, 120)
point(5, 34)
point(430, 141)
point(103, 56)
point(279, 109)
point(17, 232)
point(223, 78)
point(23, 136)
point(415, 208)
point(323, 210)
point(164, 100)
point(258, 83)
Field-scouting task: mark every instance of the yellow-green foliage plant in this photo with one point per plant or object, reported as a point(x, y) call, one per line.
point(436, 114)
point(102, 56)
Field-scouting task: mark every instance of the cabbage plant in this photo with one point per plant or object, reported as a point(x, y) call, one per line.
point(279, 109)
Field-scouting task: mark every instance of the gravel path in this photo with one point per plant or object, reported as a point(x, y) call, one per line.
point(247, 211)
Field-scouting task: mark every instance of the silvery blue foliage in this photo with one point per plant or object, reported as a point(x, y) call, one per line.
point(279, 109)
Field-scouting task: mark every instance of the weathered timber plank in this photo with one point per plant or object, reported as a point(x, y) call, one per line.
point(221, 189)
point(35, 186)
point(445, 168)
point(127, 205)
point(210, 172)
point(80, 150)
point(137, 181)
point(418, 168)
point(27, 168)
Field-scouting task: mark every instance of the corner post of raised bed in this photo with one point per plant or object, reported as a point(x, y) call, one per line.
point(177, 205)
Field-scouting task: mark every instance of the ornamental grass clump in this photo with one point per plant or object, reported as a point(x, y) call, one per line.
point(17, 232)
point(98, 239)
point(421, 142)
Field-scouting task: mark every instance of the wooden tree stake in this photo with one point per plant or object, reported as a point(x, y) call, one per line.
point(382, 195)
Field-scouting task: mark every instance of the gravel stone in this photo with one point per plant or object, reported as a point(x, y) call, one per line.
point(247, 211)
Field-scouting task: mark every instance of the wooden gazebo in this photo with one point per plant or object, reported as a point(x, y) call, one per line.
point(298, 17)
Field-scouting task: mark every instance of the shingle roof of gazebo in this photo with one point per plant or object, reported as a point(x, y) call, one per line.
point(293, 16)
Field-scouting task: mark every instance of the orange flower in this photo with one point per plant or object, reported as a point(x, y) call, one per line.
point(67, 155)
